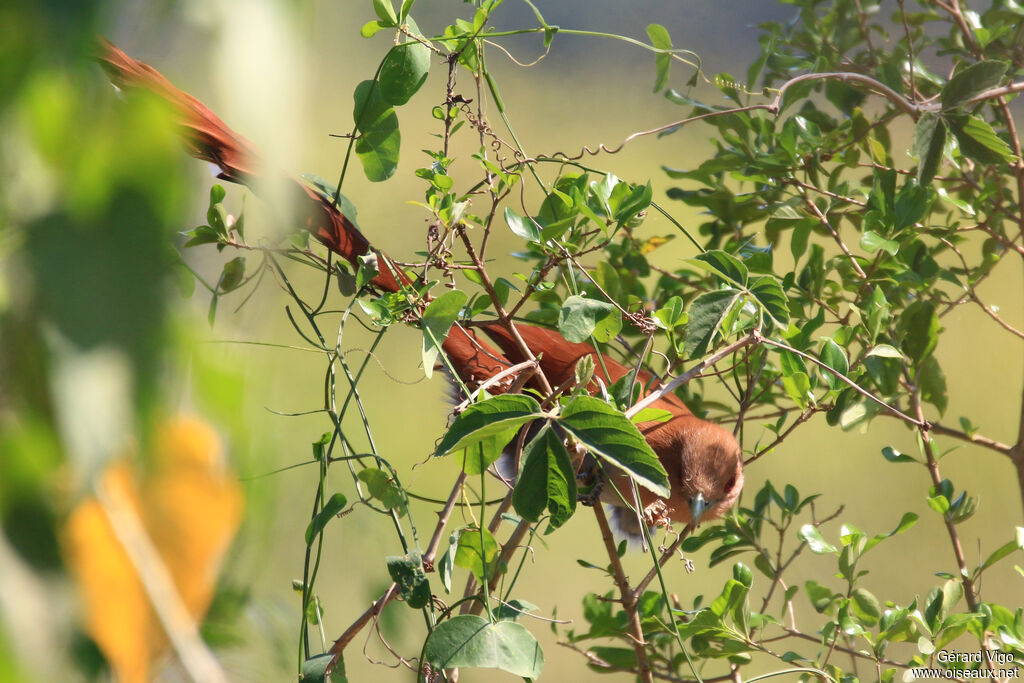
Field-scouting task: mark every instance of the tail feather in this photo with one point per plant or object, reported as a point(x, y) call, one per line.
point(210, 139)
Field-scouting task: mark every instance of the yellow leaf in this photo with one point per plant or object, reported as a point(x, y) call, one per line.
point(189, 505)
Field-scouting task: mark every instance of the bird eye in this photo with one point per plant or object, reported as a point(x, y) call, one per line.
point(729, 484)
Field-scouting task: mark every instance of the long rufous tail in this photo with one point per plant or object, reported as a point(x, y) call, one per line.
point(210, 139)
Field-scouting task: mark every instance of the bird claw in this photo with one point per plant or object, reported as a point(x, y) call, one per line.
point(591, 478)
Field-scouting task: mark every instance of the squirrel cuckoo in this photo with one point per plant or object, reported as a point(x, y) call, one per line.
point(703, 461)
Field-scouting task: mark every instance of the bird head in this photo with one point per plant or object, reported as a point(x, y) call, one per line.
point(704, 465)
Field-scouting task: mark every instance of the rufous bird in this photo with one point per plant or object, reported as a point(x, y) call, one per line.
point(703, 461)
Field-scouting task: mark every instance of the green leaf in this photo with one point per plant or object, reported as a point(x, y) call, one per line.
point(638, 199)
point(932, 382)
point(893, 455)
point(929, 143)
point(815, 542)
point(314, 670)
point(407, 572)
point(203, 234)
point(725, 265)
point(482, 420)
point(370, 28)
point(671, 315)
point(884, 351)
point(386, 12)
point(367, 271)
point(865, 606)
point(383, 488)
point(660, 39)
point(651, 415)
point(871, 241)
point(1004, 550)
point(332, 507)
point(970, 82)
point(437, 320)
point(833, 356)
point(546, 480)
point(580, 317)
point(473, 556)
point(912, 204)
point(613, 438)
point(523, 227)
point(705, 316)
point(232, 275)
point(469, 641)
point(767, 291)
point(404, 71)
point(938, 503)
point(379, 140)
point(979, 141)
point(820, 596)
point(921, 330)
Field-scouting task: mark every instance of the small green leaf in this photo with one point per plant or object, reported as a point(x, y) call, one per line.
point(232, 275)
point(370, 28)
point(523, 227)
point(929, 143)
point(833, 356)
point(314, 670)
point(938, 503)
point(871, 241)
point(979, 141)
point(437, 320)
point(386, 12)
point(660, 39)
point(404, 71)
point(932, 382)
point(671, 315)
point(379, 140)
point(469, 641)
point(768, 293)
point(884, 351)
point(705, 316)
point(407, 572)
point(814, 540)
point(651, 415)
point(723, 264)
point(865, 606)
point(383, 488)
point(332, 507)
point(473, 556)
point(1004, 550)
point(970, 82)
point(820, 596)
point(920, 323)
point(893, 455)
point(580, 317)
point(546, 480)
point(613, 438)
point(203, 234)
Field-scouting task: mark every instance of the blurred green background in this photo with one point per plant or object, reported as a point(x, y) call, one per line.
point(98, 344)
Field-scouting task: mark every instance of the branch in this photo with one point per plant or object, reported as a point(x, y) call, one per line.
point(628, 598)
point(181, 629)
point(919, 423)
point(695, 371)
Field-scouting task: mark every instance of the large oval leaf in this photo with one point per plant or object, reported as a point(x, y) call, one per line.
point(487, 418)
point(377, 125)
point(470, 641)
point(610, 435)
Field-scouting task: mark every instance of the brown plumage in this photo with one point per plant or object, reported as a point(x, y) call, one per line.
point(703, 461)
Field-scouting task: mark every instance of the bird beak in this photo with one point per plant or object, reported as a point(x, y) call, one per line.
point(697, 507)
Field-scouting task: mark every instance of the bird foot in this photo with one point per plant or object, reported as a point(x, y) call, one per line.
point(592, 482)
